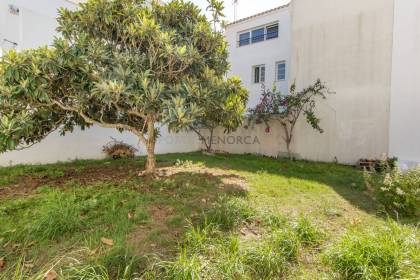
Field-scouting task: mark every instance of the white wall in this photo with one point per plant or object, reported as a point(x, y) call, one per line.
point(348, 45)
point(405, 97)
point(34, 26)
point(268, 52)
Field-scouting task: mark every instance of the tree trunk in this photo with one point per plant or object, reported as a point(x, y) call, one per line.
point(208, 147)
point(289, 149)
point(150, 166)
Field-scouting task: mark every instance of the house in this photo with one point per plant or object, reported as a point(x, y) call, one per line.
point(259, 50)
point(29, 24)
point(368, 54)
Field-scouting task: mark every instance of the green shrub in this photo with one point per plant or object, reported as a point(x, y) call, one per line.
point(397, 191)
point(228, 213)
point(380, 253)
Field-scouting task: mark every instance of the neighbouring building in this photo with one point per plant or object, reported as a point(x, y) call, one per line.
point(259, 50)
point(367, 52)
point(29, 24)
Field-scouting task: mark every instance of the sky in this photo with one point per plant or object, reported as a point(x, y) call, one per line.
point(245, 7)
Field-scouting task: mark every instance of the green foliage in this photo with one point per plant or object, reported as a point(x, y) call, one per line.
point(308, 233)
point(59, 215)
point(287, 242)
point(120, 64)
point(397, 191)
point(229, 213)
point(390, 252)
point(265, 262)
point(223, 104)
point(287, 108)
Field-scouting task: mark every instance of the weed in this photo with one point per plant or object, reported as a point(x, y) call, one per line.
point(307, 233)
point(382, 253)
point(229, 213)
point(264, 261)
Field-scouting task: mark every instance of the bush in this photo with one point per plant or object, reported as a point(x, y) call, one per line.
point(119, 150)
point(396, 191)
point(386, 253)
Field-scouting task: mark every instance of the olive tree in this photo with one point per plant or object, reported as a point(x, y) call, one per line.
point(121, 64)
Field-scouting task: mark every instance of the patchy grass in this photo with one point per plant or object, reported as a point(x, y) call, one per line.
point(205, 217)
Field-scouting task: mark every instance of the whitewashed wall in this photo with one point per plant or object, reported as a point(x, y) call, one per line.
point(405, 97)
point(268, 52)
point(347, 44)
point(34, 26)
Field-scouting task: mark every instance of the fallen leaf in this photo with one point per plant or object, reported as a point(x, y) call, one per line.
point(51, 275)
point(107, 241)
point(2, 263)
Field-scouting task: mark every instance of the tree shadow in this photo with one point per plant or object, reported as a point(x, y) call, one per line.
point(180, 198)
point(346, 181)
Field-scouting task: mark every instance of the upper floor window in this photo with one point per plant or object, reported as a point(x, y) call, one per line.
point(258, 74)
point(258, 34)
point(272, 31)
point(281, 71)
point(244, 39)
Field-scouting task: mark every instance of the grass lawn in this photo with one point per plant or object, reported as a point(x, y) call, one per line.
point(204, 217)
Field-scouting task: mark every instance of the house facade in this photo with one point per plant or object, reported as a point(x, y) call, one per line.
point(259, 51)
point(368, 54)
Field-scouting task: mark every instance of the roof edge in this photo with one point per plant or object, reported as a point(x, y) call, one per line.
point(259, 14)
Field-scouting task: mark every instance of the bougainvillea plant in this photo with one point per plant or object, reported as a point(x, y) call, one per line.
point(122, 64)
point(287, 109)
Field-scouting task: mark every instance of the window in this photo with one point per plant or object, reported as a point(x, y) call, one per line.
point(272, 31)
point(281, 71)
point(244, 39)
point(259, 74)
point(258, 35)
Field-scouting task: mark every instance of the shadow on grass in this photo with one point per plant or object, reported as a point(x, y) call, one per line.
point(141, 216)
point(347, 181)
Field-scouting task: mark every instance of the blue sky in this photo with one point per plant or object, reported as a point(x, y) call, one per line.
point(245, 7)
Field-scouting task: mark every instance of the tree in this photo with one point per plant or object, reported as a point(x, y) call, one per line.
point(216, 8)
point(288, 108)
point(223, 104)
point(118, 64)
